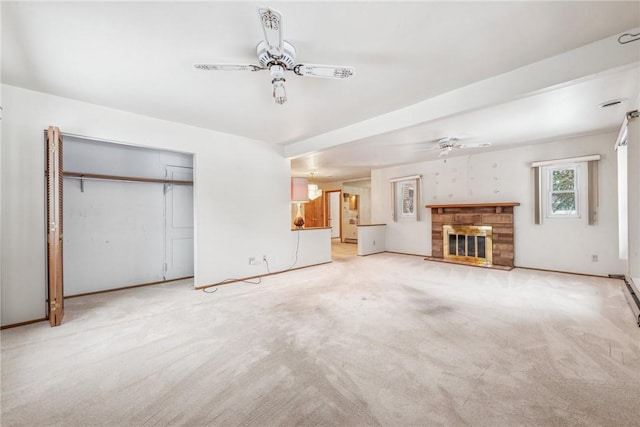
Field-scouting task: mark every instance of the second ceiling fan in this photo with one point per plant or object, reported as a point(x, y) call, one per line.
point(448, 144)
point(277, 55)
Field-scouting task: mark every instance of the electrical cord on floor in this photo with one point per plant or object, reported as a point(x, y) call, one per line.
point(215, 289)
point(259, 279)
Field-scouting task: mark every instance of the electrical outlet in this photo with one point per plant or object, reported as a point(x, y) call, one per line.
point(594, 258)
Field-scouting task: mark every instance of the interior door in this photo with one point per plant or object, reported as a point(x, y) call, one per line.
point(334, 213)
point(54, 180)
point(178, 236)
point(314, 213)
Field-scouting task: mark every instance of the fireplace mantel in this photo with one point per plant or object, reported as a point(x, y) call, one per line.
point(497, 205)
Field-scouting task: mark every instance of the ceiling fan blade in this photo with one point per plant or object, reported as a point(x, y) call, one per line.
point(445, 151)
point(227, 67)
point(473, 145)
point(325, 71)
point(429, 148)
point(271, 21)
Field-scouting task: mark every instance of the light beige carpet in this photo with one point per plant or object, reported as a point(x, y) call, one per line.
point(380, 340)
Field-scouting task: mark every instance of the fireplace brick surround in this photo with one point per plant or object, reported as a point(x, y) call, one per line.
point(497, 215)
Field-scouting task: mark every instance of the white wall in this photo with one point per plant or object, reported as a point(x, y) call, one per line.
point(314, 246)
point(113, 235)
point(371, 239)
point(241, 192)
point(633, 200)
point(506, 176)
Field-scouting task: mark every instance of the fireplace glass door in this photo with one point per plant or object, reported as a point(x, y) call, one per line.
point(470, 243)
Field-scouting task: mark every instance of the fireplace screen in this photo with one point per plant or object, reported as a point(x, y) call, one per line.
point(469, 243)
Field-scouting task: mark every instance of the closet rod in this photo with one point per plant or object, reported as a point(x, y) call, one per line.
point(100, 177)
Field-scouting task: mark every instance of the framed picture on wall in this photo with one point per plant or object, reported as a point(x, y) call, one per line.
point(407, 198)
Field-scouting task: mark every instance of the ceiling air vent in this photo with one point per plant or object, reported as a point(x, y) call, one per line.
point(612, 103)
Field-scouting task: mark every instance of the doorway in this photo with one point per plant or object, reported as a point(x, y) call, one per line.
point(333, 213)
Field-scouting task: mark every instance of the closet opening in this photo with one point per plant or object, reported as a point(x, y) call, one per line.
point(127, 212)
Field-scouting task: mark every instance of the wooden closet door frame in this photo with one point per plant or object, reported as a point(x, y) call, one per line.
point(327, 207)
point(54, 183)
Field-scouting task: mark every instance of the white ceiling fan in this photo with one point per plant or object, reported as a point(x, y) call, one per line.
point(449, 143)
point(277, 55)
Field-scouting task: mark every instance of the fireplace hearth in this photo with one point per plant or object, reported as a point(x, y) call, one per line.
point(475, 234)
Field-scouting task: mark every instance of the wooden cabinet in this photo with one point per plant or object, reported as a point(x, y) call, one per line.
point(314, 213)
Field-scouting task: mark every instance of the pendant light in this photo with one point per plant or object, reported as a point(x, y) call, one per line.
point(313, 190)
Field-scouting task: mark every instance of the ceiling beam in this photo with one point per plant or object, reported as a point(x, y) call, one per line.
point(586, 62)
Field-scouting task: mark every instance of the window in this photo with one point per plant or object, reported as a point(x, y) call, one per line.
point(562, 185)
point(407, 198)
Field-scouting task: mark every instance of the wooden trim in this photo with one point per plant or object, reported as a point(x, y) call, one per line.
point(369, 225)
point(400, 253)
point(229, 281)
point(311, 228)
point(127, 287)
point(326, 210)
point(28, 322)
point(474, 205)
point(372, 253)
point(124, 178)
point(563, 272)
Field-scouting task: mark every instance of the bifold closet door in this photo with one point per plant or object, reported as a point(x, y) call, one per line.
point(54, 182)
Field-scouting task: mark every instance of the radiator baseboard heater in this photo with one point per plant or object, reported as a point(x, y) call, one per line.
point(631, 294)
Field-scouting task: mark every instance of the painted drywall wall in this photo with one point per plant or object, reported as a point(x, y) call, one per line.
point(371, 239)
point(633, 199)
point(99, 157)
point(241, 201)
point(313, 246)
point(506, 176)
point(113, 235)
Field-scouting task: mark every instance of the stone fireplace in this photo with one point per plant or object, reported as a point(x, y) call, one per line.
point(477, 234)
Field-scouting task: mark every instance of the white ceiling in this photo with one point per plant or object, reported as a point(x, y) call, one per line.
point(500, 72)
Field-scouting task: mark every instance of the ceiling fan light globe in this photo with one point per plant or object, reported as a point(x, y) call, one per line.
point(277, 72)
point(279, 93)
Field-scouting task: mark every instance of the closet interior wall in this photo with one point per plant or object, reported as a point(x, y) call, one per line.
point(122, 233)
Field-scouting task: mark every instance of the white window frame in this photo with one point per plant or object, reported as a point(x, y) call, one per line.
point(576, 190)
